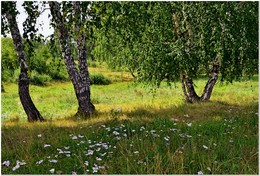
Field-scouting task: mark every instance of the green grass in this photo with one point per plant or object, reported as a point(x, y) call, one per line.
point(135, 131)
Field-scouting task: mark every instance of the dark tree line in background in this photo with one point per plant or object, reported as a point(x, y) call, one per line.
point(154, 41)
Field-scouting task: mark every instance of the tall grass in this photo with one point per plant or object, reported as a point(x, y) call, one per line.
point(135, 131)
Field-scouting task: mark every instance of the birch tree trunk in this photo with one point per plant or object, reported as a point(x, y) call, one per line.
point(189, 90)
point(80, 80)
point(23, 84)
point(211, 82)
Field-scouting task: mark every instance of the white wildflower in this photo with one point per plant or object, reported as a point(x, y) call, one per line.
point(46, 145)
point(142, 128)
point(60, 150)
point(98, 144)
point(115, 133)
point(133, 131)
point(90, 152)
point(186, 115)
point(80, 136)
point(68, 155)
point(189, 124)
point(16, 167)
point(101, 167)
point(39, 135)
point(103, 154)
point(98, 149)
point(105, 146)
point(167, 138)
point(136, 152)
point(95, 169)
point(86, 163)
point(152, 131)
point(188, 136)
point(52, 170)
point(200, 173)
point(20, 162)
point(74, 137)
point(66, 147)
point(39, 162)
point(98, 159)
point(173, 129)
point(205, 147)
point(53, 161)
point(6, 163)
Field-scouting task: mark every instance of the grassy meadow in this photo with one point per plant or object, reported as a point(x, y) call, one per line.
point(134, 131)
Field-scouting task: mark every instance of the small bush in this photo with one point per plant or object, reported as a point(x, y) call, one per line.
point(92, 64)
point(39, 79)
point(61, 76)
point(99, 79)
point(6, 76)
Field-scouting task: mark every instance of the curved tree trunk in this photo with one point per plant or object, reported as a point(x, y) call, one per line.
point(23, 85)
point(80, 80)
point(189, 90)
point(211, 82)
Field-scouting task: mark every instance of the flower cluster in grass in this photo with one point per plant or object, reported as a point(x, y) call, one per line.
point(96, 150)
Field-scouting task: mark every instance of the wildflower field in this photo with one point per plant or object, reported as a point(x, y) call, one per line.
point(134, 131)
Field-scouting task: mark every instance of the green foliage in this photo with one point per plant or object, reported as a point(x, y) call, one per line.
point(161, 40)
point(9, 61)
point(99, 79)
point(39, 79)
point(41, 63)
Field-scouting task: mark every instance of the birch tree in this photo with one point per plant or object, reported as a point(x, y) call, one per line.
point(9, 22)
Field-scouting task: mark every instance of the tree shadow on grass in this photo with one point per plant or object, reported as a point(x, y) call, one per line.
point(198, 111)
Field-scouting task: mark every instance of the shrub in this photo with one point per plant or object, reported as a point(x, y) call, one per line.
point(6, 76)
point(39, 79)
point(59, 75)
point(99, 79)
